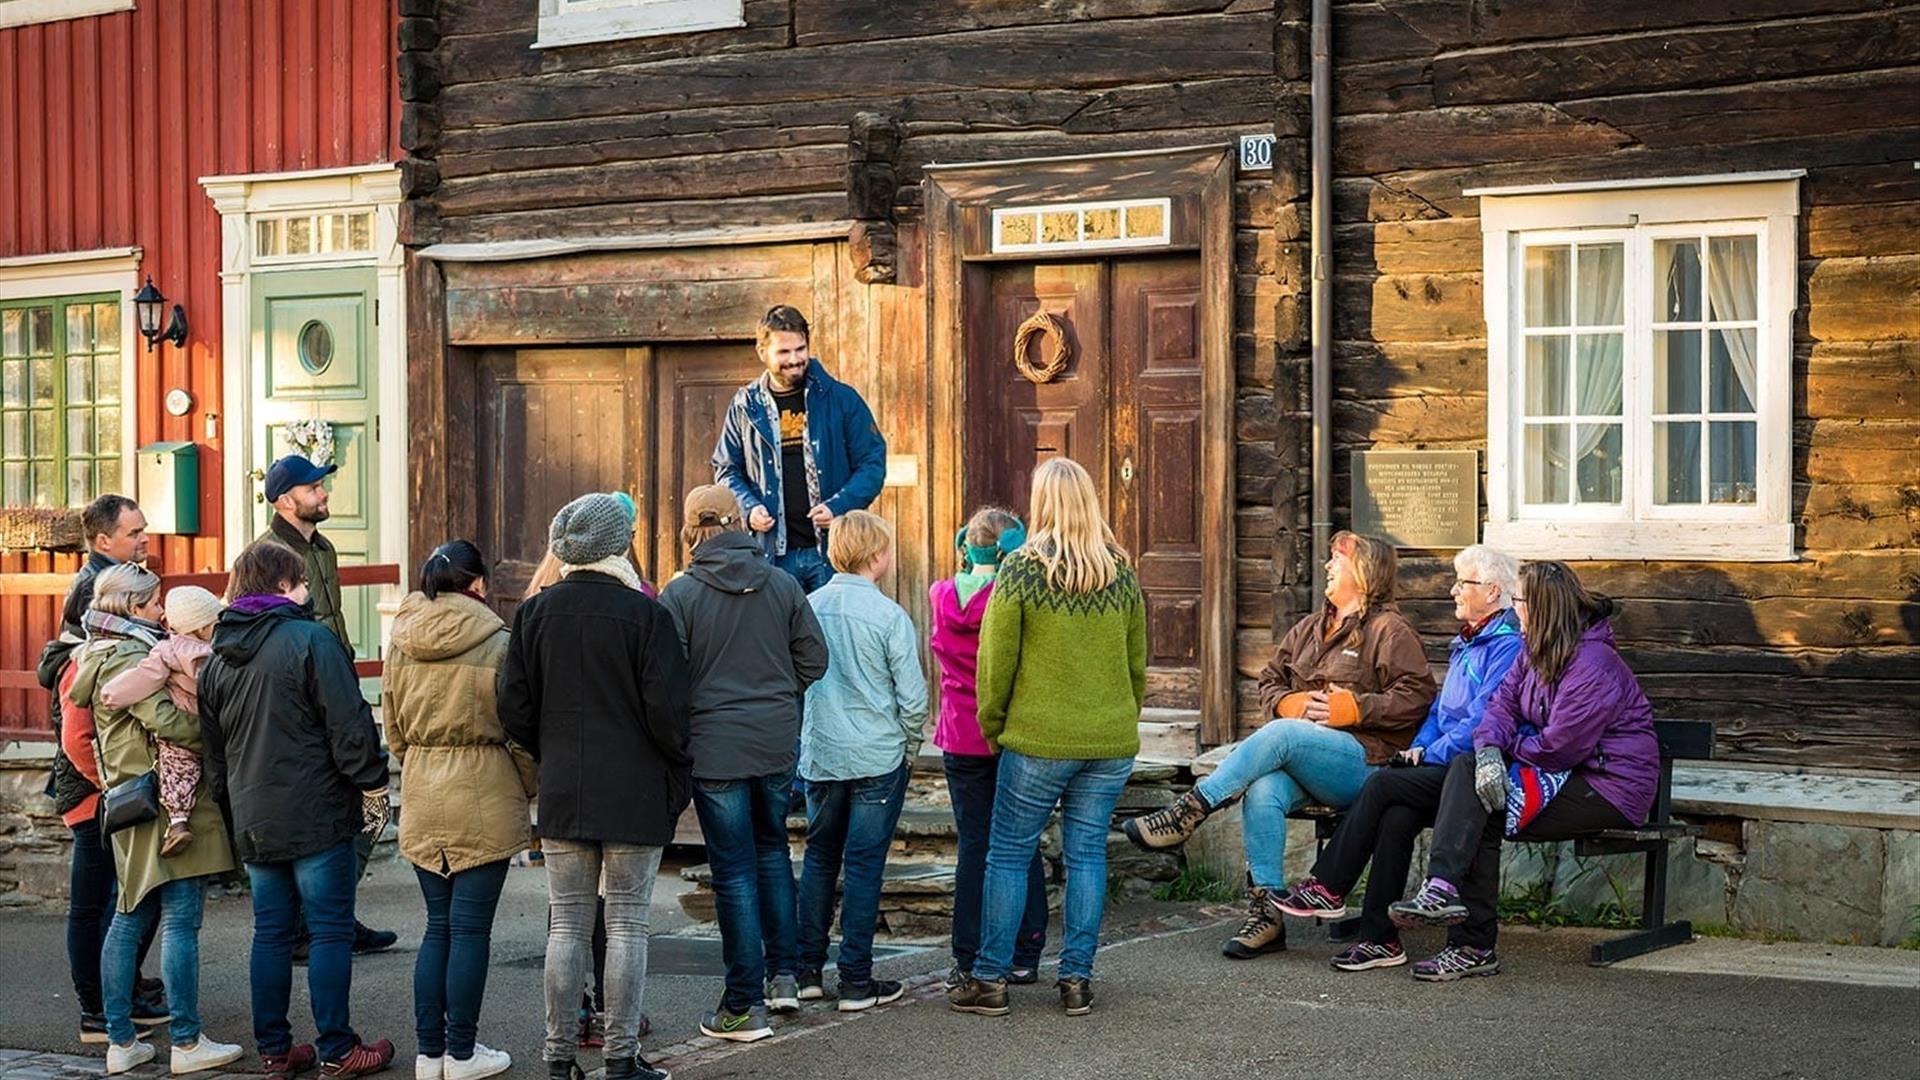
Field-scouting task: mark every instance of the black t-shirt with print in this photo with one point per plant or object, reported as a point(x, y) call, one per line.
point(793, 469)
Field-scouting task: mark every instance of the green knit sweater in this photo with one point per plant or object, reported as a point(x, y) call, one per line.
point(1062, 675)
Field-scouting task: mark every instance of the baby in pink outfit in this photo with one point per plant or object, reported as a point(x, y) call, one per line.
point(174, 665)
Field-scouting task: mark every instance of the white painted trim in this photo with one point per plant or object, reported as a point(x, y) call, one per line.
point(1638, 183)
point(586, 21)
point(310, 174)
point(28, 12)
point(730, 235)
point(76, 273)
point(1637, 529)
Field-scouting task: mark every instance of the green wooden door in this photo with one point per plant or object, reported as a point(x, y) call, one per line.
point(314, 357)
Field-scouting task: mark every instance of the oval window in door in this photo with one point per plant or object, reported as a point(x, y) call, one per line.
point(316, 347)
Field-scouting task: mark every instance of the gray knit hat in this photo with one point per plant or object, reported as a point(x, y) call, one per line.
point(590, 528)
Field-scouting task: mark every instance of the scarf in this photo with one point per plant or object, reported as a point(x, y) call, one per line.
point(255, 603)
point(614, 566)
point(99, 624)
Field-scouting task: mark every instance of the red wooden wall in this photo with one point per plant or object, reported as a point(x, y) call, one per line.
point(107, 125)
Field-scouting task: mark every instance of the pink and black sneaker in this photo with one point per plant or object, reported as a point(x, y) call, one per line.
point(1367, 955)
point(1311, 900)
point(1457, 962)
point(1436, 904)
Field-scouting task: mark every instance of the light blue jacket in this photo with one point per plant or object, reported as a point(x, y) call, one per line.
point(866, 715)
point(1475, 668)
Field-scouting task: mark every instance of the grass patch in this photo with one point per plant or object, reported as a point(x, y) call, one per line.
point(1538, 906)
point(1197, 885)
point(1722, 930)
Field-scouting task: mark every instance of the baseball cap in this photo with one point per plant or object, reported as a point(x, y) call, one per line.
point(294, 471)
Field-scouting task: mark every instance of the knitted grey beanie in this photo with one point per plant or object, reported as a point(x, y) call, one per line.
point(590, 528)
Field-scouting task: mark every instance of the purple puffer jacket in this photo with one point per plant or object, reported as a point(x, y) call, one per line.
point(1596, 722)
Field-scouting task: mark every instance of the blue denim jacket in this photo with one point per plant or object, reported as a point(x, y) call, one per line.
point(846, 454)
point(866, 715)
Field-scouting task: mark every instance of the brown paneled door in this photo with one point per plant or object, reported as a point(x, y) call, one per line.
point(692, 386)
point(1128, 407)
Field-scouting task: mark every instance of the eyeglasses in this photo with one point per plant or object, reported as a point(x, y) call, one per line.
point(1519, 600)
point(1461, 583)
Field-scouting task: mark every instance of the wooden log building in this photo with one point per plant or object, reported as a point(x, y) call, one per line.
point(1657, 264)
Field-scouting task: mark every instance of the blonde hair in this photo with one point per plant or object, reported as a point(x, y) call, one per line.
point(120, 589)
point(1374, 564)
point(544, 574)
point(857, 539)
point(1066, 532)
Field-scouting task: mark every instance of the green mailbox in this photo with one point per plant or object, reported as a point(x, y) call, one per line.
point(169, 476)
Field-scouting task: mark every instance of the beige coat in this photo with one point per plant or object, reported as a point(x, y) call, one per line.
point(463, 790)
point(126, 751)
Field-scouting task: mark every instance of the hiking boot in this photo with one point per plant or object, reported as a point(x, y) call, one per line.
point(1262, 933)
point(858, 997)
point(93, 1028)
point(177, 838)
point(783, 994)
point(634, 1068)
point(290, 1064)
point(1436, 904)
point(362, 1060)
point(812, 988)
point(979, 996)
point(1076, 995)
point(1457, 962)
point(748, 1026)
point(565, 1070)
point(368, 940)
point(591, 1030)
point(202, 1055)
point(1367, 955)
point(1311, 900)
point(129, 1057)
point(1170, 826)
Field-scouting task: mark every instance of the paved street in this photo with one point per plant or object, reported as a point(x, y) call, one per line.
point(1168, 1006)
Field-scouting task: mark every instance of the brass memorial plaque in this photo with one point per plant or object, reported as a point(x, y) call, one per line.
point(1418, 498)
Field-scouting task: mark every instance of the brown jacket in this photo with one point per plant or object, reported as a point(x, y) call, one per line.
point(1375, 657)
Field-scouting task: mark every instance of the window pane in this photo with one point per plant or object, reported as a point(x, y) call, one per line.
point(13, 382)
point(13, 332)
point(1547, 284)
point(299, 236)
point(1733, 277)
point(1546, 463)
point(1547, 376)
point(45, 489)
point(1599, 469)
point(79, 380)
point(79, 431)
point(79, 328)
point(41, 444)
point(13, 485)
point(1734, 461)
point(1734, 370)
point(360, 232)
point(106, 432)
point(1676, 280)
point(106, 378)
point(337, 230)
point(40, 331)
point(1602, 284)
point(267, 238)
point(106, 327)
point(1676, 462)
point(1599, 375)
point(13, 435)
point(110, 474)
point(1676, 371)
point(42, 381)
point(79, 482)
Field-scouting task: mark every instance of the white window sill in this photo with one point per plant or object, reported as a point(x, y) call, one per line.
point(648, 18)
point(1703, 541)
point(26, 12)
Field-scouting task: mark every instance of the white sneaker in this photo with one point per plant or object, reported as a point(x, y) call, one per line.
point(485, 1061)
point(205, 1054)
point(428, 1068)
point(129, 1057)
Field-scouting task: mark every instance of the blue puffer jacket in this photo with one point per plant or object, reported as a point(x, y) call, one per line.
point(846, 454)
point(1475, 668)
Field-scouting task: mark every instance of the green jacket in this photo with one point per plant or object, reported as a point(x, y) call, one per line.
point(323, 574)
point(1062, 676)
point(126, 750)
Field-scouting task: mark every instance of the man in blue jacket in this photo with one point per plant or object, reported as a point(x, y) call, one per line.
point(798, 449)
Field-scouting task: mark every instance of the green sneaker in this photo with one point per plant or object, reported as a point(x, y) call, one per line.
point(749, 1026)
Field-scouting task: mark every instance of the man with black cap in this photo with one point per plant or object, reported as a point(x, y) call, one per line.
point(296, 489)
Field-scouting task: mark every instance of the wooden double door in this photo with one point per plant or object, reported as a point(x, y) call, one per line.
point(1127, 407)
point(553, 424)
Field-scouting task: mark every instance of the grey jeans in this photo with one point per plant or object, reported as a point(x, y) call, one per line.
point(574, 870)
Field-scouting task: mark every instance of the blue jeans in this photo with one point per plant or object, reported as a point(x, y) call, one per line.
point(178, 905)
point(450, 973)
point(1029, 788)
point(972, 781)
point(745, 825)
point(1279, 768)
point(807, 565)
point(848, 821)
point(321, 884)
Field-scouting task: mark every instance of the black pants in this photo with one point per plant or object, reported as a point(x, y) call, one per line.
point(1466, 842)
point(91, 888)
point(1381, 826)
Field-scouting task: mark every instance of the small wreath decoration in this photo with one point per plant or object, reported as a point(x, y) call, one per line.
point(1054, 329)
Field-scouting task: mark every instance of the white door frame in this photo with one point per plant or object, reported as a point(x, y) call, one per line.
point(243, 199)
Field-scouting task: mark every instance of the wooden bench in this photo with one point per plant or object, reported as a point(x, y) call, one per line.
point(1680, 740)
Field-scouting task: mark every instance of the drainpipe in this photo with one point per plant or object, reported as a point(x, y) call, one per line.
point(1320, 217)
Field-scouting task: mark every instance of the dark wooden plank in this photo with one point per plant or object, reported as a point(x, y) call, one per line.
point(584, 150)
point(1370, 371)
point(1408, 307)
point(1452, 23)
point(823, 22)
point(1864, 299)
point(1856, 229)
point(428, 492)
point(647, 217)
point(1836, 575)
point(611, 311)
point(1829, 105)
point(1467, 135)
point(781, 171)
point(1845, 380)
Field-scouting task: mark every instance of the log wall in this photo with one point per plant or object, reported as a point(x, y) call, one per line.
point(1805, 663)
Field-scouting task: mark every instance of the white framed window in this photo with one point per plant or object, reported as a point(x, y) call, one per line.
point(1083, 226)
point(577, 22)
point(1639, 364)
point(310, 237)
point(26, 12)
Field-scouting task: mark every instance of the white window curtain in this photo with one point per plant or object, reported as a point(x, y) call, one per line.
point(1733, 279)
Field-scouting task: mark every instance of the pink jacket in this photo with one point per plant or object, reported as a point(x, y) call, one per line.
point(956, 645)
point(174, 664)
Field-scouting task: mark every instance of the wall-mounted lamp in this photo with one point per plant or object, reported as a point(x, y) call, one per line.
point(147, 305)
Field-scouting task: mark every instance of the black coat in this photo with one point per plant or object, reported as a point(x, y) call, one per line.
point(290, 741)
point(596, 687)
